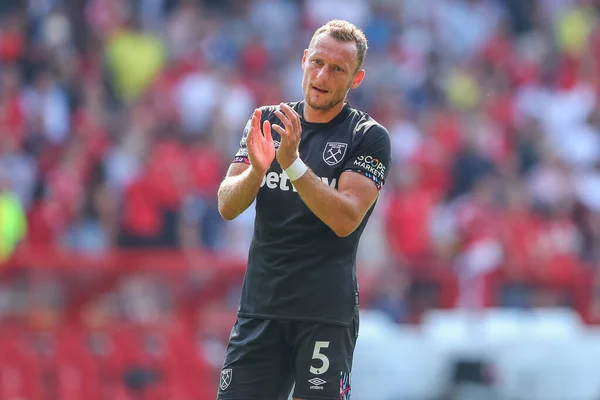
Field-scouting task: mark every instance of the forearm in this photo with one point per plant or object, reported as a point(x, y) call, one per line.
point(337, 210)
point(237, 193)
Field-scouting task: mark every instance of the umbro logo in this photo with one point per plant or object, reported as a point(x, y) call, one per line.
point(317, 383)
point(334, 152)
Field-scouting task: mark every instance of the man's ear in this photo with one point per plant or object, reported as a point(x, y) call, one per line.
point(304, 58)
point(358, 77)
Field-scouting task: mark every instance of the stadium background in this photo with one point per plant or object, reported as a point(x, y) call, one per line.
point(119, 118)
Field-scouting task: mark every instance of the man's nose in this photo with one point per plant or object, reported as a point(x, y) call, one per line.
point(322, 72)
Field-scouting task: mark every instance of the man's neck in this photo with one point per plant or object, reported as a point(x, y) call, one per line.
point(320, 117)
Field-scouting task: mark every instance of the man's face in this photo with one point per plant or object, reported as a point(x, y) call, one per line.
point(329, 72)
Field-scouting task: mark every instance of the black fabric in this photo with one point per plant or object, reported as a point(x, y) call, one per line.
point(256, 365)
point(266, 357)
point(298, 268)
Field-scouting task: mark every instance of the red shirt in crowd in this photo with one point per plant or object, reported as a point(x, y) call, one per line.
point(408, 220)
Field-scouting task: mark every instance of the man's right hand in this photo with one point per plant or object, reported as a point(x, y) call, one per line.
point(261, 150)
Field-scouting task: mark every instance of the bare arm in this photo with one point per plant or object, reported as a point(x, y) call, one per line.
point(343, 209)
point(238, 190)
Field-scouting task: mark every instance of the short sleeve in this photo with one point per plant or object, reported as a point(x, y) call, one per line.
point(372, 158)
point(242, 154)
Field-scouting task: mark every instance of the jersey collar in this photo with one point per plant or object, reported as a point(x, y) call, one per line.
point(336, 120)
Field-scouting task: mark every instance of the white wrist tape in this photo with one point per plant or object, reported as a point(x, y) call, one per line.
point(296, 170)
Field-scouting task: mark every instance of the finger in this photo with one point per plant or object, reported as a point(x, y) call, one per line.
point(298, 122)
point(267, 131)
point(289, 111)
point(256, 119)
point(284, 135)
point(286, 121)
point(252, 131)
point(292, 116)
point(253, 124)
point(282, 116)
point(249, 141)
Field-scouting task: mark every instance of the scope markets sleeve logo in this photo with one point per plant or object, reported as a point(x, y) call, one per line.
point(371, 165)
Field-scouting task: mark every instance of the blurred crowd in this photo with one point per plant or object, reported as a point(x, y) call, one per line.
point(118, 120)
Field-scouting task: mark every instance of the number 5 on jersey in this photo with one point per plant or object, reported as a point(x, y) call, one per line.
point(317, 355)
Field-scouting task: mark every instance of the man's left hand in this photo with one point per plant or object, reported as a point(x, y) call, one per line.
point(290, 135)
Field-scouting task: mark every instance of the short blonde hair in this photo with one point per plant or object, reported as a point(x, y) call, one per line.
point(344, 31)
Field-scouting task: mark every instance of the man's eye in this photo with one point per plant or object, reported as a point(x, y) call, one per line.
point(338, 69)
point(318, 62)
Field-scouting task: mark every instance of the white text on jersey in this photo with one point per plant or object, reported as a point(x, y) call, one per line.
point(273, 180)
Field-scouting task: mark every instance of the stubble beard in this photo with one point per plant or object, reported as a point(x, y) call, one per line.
point(323, 106)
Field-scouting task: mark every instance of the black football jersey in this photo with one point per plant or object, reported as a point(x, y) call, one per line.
point(298, 268)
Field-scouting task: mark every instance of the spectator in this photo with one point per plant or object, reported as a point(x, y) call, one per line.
point(117, 119)
point(13, 223)
point(409, 214)
point(390, 294)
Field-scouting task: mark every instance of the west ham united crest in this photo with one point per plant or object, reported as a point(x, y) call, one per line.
point(334, 152)
point(226, 376)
